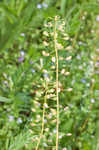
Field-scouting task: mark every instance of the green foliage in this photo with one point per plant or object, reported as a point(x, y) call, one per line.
point(28, 74)
point(3, 99)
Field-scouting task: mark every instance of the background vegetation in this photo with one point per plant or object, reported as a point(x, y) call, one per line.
point(28, 74)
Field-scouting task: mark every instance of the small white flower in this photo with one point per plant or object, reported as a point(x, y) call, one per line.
point(50, 24)
point(83, 17)
point(44, 53)
point(38, 117)
point(80, 67)
point(61, 58)
point(50, 115)
point(59, 46)
point(53, 59)
point(80, 43)
point(52, 67)
point(45, 33)
point(11, 118)
point(33, 110)
point(47, 129)
point(66, 73)
point(66, 108)
point(45, 105)
point(45, 43)
point(64, 148)
point(38, 104)
point(93, 80)
point(45, 121)
point(45, 71)
point(97, 50)
point(92, 100)
point(88, 85)
point(22, 34)
point(46, 75)
point(51, 90)
point(97, 18)
point(62, 71)
point(60, 28)
point(5, 82)
point(69, 58)
point(19, 120)
point(68, 134)
point(60, 136)
point(22, 53)
point(92, 31)
point(66, 38)
point(69, 89)
point(54, 131)
point(68, 48)
point(59, 89)
point(39, 6)
point(45, 145)
point(45, 5)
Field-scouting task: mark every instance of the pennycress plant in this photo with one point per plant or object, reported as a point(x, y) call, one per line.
point(55, 55)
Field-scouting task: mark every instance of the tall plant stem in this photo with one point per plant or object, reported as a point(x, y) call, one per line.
point(57, 96)
point(43, 117)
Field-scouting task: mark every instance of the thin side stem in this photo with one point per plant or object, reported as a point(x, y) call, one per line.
point(43, 117)
point(57, 96)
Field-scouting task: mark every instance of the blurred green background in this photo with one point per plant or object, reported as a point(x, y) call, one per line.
point(27, 74)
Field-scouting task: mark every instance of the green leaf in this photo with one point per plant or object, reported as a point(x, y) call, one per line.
point(63, 6)
point(4, 99)
point(12, 31)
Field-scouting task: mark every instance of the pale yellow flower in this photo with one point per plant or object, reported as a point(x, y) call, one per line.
point(45, 33)
point(50, 24)
point(60, 28)
point(66, 73)
point(61, 58)
point(45, 105)
point(45, 54)
point(68, 48)
point(62, 71)
point(66, 38)
point(52, 67)
point(69, 89)
point(53, 59)
point(69, 58)
point(45, 43)
point(59, 46)
point(68, 134)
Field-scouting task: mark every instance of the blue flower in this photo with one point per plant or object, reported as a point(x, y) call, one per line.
point(21, 59)
point(19, 120)
point(97, 18)
point(22, 34)
point(39, 6)
point(78, 57)
point(22, 53)
point(45, 75)
point(11, 118)
point(83, 80)
point(45, 5)
point(33, 70)
point(31, 62)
